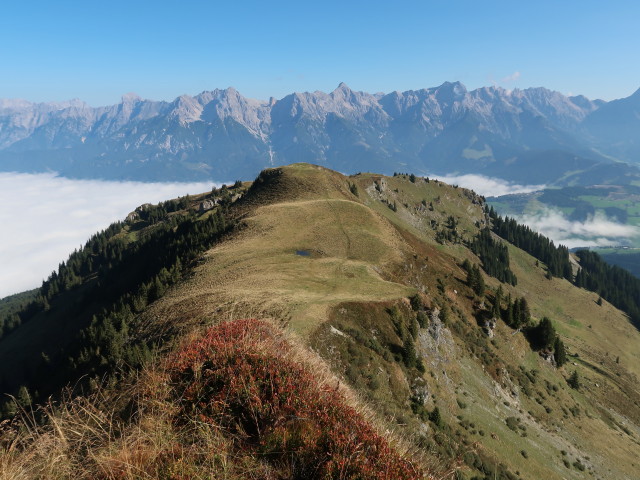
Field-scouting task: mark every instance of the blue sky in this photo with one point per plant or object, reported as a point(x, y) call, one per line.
point(97, 51)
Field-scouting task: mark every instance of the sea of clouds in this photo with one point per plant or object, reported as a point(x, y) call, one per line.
point(487, 186)
point(44, 218)
point(595, 231)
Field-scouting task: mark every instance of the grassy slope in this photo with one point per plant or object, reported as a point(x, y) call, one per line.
point(259, 272)
point(366, 258)
point(598, 335)
point(363, 253)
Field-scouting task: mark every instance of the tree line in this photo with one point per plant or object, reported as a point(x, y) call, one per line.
point(101, 288)
point(556, 258)
point(614, 284)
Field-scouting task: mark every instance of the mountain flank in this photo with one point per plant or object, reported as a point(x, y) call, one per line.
point(379, 287)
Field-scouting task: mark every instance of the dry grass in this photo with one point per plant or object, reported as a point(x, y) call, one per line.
point(142, 431)
point(99, 438)
point(350, 248)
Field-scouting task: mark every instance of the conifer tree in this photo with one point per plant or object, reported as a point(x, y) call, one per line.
point(574, 380)
point(23, 398)
point(525, 314)
point(517, 315)
point(475, 280)
point(496, 311)
point(436, 417)
point(545, 333)
point(559, 352)
point(409, 352)
point(509, 312)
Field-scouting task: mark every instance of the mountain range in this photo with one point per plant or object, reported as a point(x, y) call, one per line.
point(533, 135)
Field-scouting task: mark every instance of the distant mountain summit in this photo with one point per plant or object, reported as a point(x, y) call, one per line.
point(615, 127)
point(533, 135)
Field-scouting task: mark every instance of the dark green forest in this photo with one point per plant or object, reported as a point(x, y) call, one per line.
point(614, 284)
point(494, 256)
point(90, 304)
point(555, 258)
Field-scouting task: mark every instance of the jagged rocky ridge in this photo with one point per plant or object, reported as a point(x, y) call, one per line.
point(533, 135)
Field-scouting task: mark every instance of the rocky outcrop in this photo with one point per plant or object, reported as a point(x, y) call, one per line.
point(132, 217)
point(489, 326)
point(207, 205)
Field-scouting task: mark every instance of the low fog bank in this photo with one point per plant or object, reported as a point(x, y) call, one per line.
point(487, 186)
point(44, 218)
point(596, 231)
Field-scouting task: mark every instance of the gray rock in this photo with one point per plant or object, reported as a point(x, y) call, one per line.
point(222, 134)
point(207, 205)
point(489, 326)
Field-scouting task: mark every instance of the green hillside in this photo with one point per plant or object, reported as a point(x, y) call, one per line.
point(371, 291)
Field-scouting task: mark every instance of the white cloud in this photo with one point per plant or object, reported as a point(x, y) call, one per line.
point(487, 186)
point(595, 231)
point(511, 78)
point(44, 218)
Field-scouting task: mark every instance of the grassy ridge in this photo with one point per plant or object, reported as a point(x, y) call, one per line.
point(239, 377)
point(236, 401)
point(365, 252)
point(381, 295)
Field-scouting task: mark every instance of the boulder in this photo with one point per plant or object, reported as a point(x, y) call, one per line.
point(207, 205)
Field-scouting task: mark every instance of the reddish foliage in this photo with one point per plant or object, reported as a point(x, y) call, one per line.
point(238, 376)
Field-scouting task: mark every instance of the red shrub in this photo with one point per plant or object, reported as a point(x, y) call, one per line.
point(238, 377)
